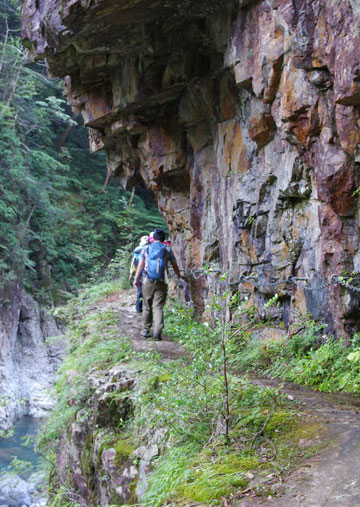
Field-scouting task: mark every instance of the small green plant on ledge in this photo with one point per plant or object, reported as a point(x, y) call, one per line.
point(210, 459)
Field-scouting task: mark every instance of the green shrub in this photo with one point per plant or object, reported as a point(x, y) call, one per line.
point(304, 358)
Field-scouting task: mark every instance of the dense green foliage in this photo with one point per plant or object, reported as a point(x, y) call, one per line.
point(183, 399)
point(56, 223)
point(307, 357)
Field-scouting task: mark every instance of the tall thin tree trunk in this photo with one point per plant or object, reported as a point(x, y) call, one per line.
point(8, 102)
point(226, 381)
point(131, 197)
point(4, 46)
point(9, 99)
point(65, 134)
point(23, 230)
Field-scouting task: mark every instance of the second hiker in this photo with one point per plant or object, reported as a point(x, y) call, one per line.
point(154, 260)
point(134, 264)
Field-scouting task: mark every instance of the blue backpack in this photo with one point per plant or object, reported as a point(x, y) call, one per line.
point(137, 252)
point(156, 254)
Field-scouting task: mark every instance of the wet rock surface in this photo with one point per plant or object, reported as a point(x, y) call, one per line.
point(17, 492)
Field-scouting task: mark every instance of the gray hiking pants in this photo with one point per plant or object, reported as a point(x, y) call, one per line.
point(154, 297)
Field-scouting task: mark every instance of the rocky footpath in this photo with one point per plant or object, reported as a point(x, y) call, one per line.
point(328, 477)
point(97, 461)
point(28, 359)
point(242, 117)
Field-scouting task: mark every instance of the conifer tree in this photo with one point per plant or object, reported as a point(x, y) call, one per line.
point(56, 224)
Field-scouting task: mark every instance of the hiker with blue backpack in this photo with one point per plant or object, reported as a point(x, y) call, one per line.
point(134, 264)
point(154, 260)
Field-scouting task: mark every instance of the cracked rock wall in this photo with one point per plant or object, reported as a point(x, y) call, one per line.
point(241, 116)
point(28, 359)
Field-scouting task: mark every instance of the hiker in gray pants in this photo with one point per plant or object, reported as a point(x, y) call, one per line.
point(154, 260)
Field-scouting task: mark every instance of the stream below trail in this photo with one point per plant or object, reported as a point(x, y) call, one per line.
point(13, 446)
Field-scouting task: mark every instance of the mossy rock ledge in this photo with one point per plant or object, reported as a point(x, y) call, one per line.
point(95, 459)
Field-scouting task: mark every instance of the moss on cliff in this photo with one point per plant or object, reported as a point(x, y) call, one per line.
point(124, 447)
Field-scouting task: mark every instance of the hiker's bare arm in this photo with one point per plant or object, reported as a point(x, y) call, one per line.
point(139, 269)
point(132, 269)
point(176, 268)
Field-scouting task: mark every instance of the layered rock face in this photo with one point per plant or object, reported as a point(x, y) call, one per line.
point(27, 362)
point(91, 455)
point(241, 116)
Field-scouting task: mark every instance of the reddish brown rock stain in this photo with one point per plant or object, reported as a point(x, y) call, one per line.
point(234, 117)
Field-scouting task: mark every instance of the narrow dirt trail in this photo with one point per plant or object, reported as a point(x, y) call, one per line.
point(130, 326)
point(331, 478)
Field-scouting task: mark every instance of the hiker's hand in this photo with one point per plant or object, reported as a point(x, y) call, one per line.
point(135, 282)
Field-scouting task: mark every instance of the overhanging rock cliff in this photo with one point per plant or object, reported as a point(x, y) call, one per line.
point(241, 116)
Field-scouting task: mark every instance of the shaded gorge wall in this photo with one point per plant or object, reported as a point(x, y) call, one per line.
point(28, 358)
point(242, 118)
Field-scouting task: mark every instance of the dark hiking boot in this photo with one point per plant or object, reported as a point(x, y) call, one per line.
point(157, 337)
point(145, 333)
